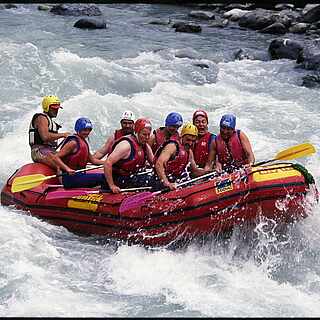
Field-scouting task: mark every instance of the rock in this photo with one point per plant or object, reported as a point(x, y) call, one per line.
point(285, 49)
point(283, 6)
point(275, 28)
point(90, 23)
point(235, 14)
point(311, 81)
point(219, 24)
point(206, 15)
point(311, 13)
point(240, 6)
point(76, 10)
point(161, 22)
point(185, 27)
point(299, 27)
point(257, 20)
point(43, 7)
point(309, 57)
point(8, 6)
point(201, 65)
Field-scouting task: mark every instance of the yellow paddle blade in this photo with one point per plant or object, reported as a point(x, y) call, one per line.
point(27, 182)
point(298, 151)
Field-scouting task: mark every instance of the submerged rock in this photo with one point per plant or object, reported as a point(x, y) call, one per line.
point(76, 10)
point(90, 23)
point(185, 27)
point(311, 81)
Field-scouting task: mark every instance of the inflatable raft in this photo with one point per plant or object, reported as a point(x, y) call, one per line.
point(284, 192)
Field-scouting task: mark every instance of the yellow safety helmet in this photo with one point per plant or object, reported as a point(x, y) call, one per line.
point(189, 128)
point(47, 101)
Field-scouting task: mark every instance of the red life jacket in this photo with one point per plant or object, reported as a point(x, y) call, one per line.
point(78, 159)
point(136, 160)
point(117, 135)
point(201, 149)
point(177, 163)
point(161, 138)
point(231, 154)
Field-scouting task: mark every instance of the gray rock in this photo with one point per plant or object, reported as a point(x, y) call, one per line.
point(90, 23)
point(285, 49)
point(206, 15)
point(185, 27)
point(299, 27)
point(311, 13)
point(257, 19)
point(311, 81)
point(76, 10)
point(8, 6)
point(161, 22)
point(275, 28)
point(235, 14)
point(218, 24)
point(283, 6)
point(43, 7)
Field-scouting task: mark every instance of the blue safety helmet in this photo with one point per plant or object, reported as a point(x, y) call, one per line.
point(82, 123)
point(174, 119)
point(228, 120)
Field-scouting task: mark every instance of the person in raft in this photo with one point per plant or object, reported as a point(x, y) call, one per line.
point(202, 145)
point(129, 154)
point(172, 158)
point(127, 127)
point(75, 154)
point(43, 132)
point(231, 149)
point(172, 123)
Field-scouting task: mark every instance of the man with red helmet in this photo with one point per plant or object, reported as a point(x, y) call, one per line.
point(202, 145)
point(129, 154)
point(127, 127)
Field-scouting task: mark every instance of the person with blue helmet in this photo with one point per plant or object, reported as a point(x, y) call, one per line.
point(75, 155)
point(231, 148)
point(173, 122)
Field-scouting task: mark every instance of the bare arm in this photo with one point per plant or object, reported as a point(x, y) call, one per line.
point(67, 149)
point(169, 150)
point(41, 123)
point(94, 160)
point(151, 140)
point(150, 156)
point(211, 158)
point(100, 153)
point(121, 151)
point(247, 148)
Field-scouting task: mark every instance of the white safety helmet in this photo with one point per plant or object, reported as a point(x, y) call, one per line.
point(127, 115)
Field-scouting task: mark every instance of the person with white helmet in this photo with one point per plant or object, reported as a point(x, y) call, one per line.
point(43, 132)
point(172, 158)
point(127, 126)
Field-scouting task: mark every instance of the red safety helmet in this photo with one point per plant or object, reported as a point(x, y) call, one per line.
point(141, 124)
point(199, 112)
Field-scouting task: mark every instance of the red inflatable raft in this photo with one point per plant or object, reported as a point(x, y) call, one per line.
point(279, 192)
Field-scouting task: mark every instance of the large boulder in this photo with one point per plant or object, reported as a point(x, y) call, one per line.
point(257, 19)
point(311, 13)
point(309, 57)
point(285, 49)
point(311, 81)
point(299, 27)
point(235, 14)
point(76, 10)
point(275, 28)
point(90, 23)
point(283, 6)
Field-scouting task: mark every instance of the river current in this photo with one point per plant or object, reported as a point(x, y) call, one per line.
point(47, 271)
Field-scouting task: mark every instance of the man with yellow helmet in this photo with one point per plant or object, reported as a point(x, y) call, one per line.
point(43, 132)
point(172, 158)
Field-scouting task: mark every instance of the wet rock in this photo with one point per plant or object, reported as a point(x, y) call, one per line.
point(309, 57)
point(299, 27)
point(219, 24)
point(311, 13)
point(76, 10)
point(90, 23)
point(235, 14)
point(247, 6)
point(285, 49)
point(257, 20)
point(283, 6)
point(275, 28)
point(185, 27)
point(161, 22)
point(43, 7)
point(201, 65)
point(206, 15)
point(8, 6)
point(311, 81)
